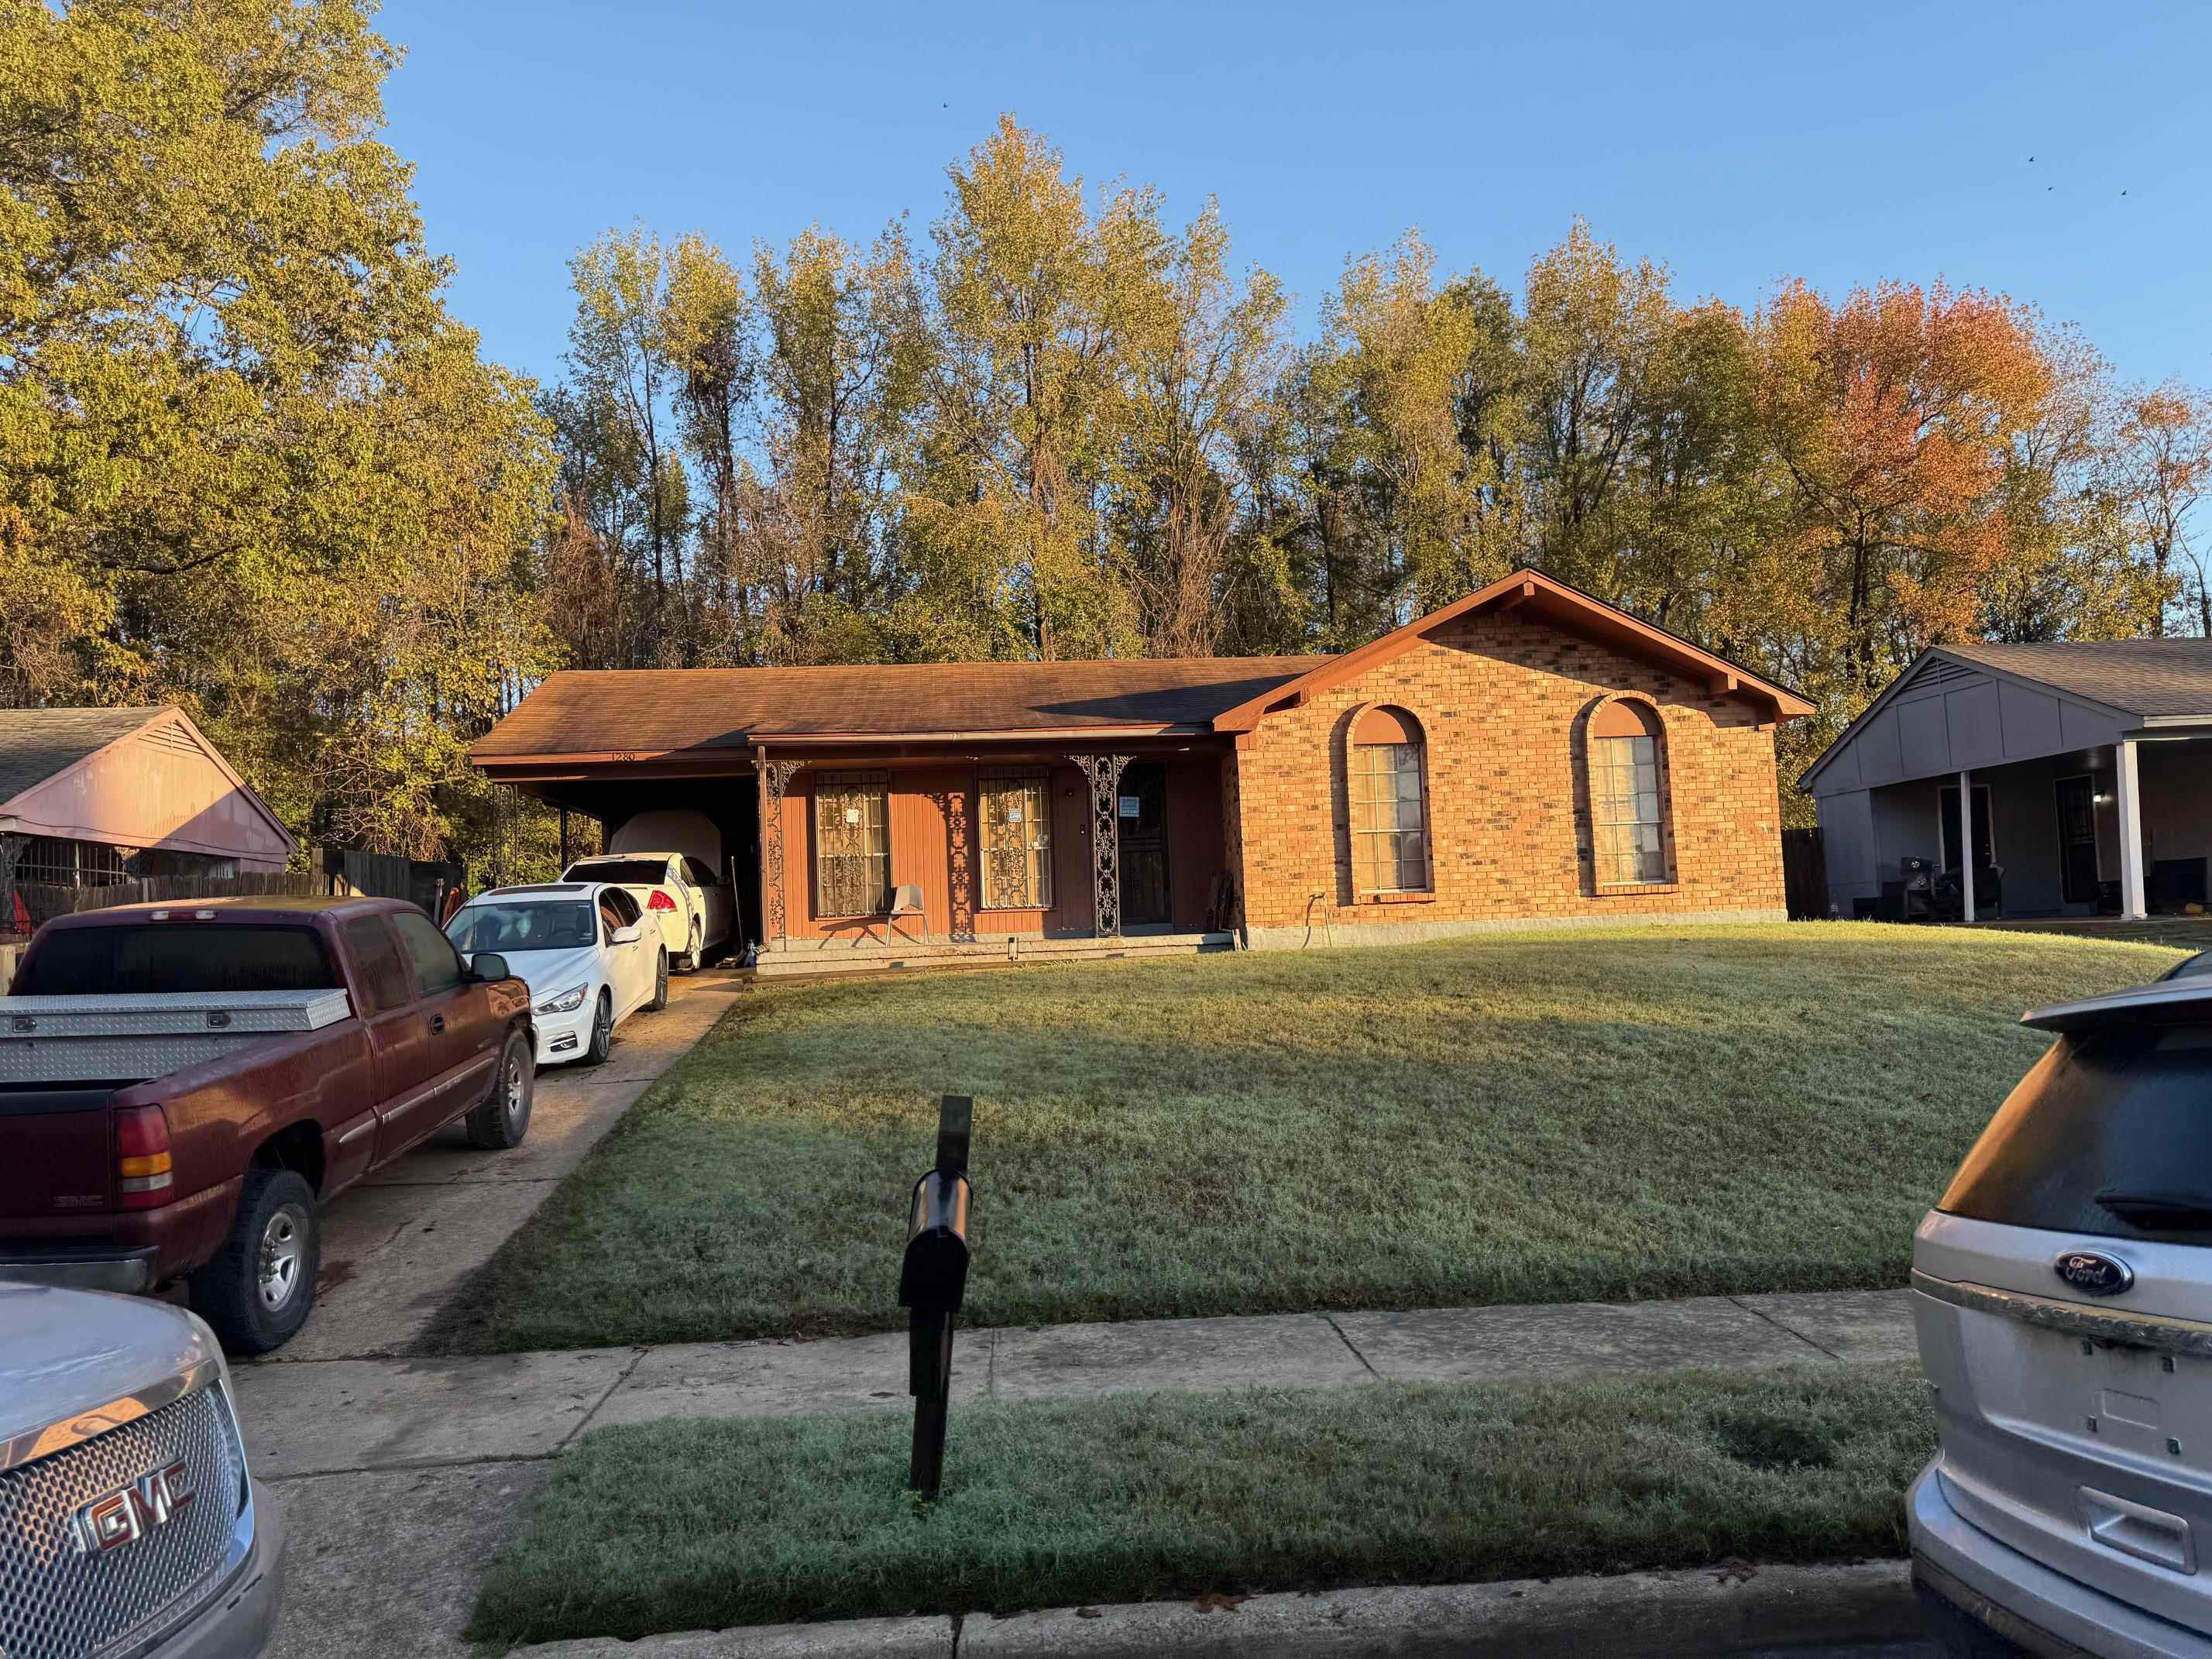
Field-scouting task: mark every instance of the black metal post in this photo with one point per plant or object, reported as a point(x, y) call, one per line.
point(931, 1286)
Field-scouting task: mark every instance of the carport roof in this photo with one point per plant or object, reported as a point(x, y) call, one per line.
point(2152, 678)
point(583, 712)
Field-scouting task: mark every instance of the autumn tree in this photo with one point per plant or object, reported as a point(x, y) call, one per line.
point(2163, 465)
point(248, 462)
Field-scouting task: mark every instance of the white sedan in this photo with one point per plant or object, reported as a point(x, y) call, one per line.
point(583, 950)
point(695, 912)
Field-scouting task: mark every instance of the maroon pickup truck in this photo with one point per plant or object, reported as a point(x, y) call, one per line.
point(183, 1086)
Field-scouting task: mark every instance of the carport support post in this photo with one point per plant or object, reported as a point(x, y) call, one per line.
point(1966, 846)
point(2128, 786)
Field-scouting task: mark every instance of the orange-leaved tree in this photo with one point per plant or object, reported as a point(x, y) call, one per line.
point(1891, 415)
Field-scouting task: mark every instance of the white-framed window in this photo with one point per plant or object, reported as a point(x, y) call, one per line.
point(1628, 820)
point(1017, 813)
point(1389, 804)
point(851, 844)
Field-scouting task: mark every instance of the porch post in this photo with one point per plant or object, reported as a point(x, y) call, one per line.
point(2129, 788)
point(775, 777)
point(564, 838)
point(1104, 772)
point(1966, 846)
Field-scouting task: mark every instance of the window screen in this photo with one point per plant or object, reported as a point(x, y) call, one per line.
point(1625, 809)
point(1389, 819)
point(1017, 841)
point(851, 844)
point(382, 977)
point(436, 968)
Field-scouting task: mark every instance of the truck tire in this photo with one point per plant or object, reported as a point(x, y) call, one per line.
point(260, 1286)
point(503, 1117)
point(659, 986)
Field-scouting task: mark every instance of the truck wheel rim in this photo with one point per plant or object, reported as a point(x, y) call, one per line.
point(283, 1250)
point(514, 1086)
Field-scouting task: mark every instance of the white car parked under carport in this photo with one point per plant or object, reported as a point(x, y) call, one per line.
point(584, 949)
point(693, 907)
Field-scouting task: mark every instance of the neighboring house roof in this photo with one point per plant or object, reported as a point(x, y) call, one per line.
point(37, 743)
point(657, 710)
point(2130, 680)
point(2154, 678)
point(580, 715)
point(57, 778)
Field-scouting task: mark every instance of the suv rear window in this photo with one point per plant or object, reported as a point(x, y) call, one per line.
point(2110, 1135)
point(76, 961)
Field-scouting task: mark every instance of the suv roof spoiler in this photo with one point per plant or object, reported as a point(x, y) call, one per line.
point(2165, 1001)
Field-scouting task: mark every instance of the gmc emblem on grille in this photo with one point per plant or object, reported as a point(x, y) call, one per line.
point(125, 1516)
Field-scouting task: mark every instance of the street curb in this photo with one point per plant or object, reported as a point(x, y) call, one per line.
point(1691, 1614)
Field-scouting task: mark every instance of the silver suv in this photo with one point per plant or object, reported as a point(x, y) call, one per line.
point(2063, 1301)
point(128, 1526)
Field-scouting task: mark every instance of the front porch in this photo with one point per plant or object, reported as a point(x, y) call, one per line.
point(2119, 831)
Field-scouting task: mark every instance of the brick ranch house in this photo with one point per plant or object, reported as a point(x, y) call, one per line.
point(1526, 756)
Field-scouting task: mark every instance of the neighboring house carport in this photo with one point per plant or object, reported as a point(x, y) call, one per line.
point(2080, 769)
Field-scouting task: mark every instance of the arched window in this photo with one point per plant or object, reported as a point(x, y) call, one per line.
point(1389, 806)
point(1627, 824)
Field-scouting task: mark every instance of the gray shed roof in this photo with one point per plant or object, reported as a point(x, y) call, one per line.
point(2147, 677)
point(37, 743)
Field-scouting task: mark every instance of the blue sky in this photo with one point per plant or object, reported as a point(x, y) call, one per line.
point(1738, 145)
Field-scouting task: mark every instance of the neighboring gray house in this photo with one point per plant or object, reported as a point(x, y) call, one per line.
point(2084, 766)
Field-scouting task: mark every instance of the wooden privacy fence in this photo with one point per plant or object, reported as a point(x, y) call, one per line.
point(29, 905)
point(25, 905)
point(1804, 875)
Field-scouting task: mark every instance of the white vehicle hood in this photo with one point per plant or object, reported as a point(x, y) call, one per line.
point(63, 1352)
point(549, 973)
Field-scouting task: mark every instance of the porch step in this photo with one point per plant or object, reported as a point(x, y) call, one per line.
point(835, 957)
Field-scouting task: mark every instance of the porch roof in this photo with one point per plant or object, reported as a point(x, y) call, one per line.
point(1979, 703)
point(585, 714)
point(2151, 678)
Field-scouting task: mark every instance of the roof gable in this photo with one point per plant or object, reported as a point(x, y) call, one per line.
point(38, 744)
point(1542, 598)
point(158, 807)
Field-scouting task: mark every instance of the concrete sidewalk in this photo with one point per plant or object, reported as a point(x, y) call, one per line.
point(413, 1472)
point(327, 1417)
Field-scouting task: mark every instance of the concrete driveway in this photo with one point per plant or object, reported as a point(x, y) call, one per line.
point(387, 1562)
point(402, 1246)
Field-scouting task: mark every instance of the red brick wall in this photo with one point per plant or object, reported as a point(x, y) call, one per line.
point(1504, 706)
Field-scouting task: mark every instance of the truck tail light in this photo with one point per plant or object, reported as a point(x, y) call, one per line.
point(142, 1157)
point(659, 900)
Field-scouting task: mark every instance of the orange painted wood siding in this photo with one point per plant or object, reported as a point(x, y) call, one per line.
point(925, 803)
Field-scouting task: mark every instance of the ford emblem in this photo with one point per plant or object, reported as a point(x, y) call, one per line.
point(2093, 1272)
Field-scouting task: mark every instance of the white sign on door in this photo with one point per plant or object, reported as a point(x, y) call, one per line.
point(1131, 807)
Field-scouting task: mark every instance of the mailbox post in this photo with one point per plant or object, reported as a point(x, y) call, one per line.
point(932, 1279)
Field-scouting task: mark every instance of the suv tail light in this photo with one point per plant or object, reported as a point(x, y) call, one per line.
point(142, 1157)
point(659, 900)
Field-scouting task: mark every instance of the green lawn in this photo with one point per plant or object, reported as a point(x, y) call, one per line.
point(1539, 1117)
point(682, 1525)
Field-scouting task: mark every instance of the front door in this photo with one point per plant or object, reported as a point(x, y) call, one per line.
point(2077, 839)
point(1143, 815)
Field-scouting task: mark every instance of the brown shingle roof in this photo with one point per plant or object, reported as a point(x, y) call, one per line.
point(37, 743)
point(2149, 678)
point(583, 712)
